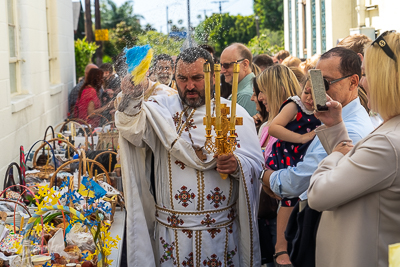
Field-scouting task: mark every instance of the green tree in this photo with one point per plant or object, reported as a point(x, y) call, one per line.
point(122, 36)
point(111, 15)
point(270, 42)
point(220, 30)
point(161, 43)
point(270, 13)
point(83, 55)
point(149, 27)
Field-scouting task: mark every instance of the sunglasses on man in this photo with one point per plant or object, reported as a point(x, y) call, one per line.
point(327, 83)
point(228, 65)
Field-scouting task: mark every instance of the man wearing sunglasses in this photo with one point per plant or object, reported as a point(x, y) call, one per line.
point(341, 69)
point(239, 53)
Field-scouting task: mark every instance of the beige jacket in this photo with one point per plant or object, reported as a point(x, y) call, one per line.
point(360, 196)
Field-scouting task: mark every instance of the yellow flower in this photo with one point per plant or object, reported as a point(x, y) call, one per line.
point(38, 229)
point(43, 190)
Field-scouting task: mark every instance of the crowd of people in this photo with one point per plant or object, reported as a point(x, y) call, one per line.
point(314, 189)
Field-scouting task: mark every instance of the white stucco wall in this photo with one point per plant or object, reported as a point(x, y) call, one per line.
point(385, 17)
point(43, 102)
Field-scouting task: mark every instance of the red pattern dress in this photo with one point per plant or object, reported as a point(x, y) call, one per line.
point(81, 109)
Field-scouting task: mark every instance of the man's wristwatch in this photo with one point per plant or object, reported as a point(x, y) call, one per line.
point(262, 176)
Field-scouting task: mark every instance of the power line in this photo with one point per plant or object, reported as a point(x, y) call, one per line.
point(220, 2)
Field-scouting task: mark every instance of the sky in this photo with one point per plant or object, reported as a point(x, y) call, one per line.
point(155, 11)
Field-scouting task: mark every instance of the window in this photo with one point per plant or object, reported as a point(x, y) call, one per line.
point(290, 27)
point(297, 29)
point(323, 27)
point(313, 29)
point(304, 28)
point(14, 60)
point(52, 58)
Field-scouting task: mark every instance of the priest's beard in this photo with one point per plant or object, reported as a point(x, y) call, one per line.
point(192, 102)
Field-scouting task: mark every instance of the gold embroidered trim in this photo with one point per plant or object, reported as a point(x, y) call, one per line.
point(249, 212)
point(150, 92)
point(186, 122)
point(230, 191)
point(226, 246)
point(177, 247)
point(199, 258)
point(194, 212)
point(202, 191)
point(198, 252)
point(198, 189)
point(170, 181)
point(180, 118)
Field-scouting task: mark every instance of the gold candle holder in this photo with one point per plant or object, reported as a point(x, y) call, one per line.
point(224, 144)
point(235, 82)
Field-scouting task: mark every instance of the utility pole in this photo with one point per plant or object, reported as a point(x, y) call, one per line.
point(220, 2)
point(205, 12)
point(97, 25)
point(167, 22)
point(167, 16)
point(88, 16)
point(188, 30)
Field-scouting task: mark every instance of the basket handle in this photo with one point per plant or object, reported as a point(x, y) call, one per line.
point(45, 135)
point(17, 202)
point(97, 114)
point(30, 149)
point(79, 122)
point(80, 162)
point(52, 140)
point(8, 177)
point(102, 153)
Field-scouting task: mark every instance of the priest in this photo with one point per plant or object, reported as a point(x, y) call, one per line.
point(179, 210)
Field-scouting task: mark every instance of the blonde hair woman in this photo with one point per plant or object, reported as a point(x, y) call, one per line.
point(358, 187)
point(277, 83)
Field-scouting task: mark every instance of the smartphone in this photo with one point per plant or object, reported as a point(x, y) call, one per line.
point(318, 91)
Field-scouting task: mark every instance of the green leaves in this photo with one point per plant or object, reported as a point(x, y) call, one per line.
point(220, 30)
point(83, 55)
point(111, 15)
point(160, 43)
point(270, 42)
point(270, 13)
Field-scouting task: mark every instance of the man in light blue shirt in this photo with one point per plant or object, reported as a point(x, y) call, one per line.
point(341, 68)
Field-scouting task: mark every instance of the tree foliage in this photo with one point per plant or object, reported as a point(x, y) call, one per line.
point(83, 55)
point(122, 36)
point(111, 15)
point(270, 13)
point(161, 43)
point(270, 42)
point(220, 30)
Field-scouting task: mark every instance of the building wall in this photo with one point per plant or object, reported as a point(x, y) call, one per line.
point(44, 86)
point(340, 17)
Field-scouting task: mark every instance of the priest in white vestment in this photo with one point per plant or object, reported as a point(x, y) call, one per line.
point(179, 210)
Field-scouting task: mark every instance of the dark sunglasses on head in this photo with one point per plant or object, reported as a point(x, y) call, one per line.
point(385, 47)
point(327, 84)
point(228, 65)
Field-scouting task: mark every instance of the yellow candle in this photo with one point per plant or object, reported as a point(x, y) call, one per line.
point(236, 68)
point(207, 70)
point(217, 70)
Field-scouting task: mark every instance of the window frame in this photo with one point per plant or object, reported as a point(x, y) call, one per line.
point(15, 59)
point(52, 58)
